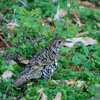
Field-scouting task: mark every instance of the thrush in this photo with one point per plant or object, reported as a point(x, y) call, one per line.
point(43, 64)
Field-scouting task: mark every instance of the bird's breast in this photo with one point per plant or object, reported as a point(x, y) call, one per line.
point(47, 72)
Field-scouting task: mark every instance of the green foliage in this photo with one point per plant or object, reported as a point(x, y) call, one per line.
point(90, 16)
point(31, 35)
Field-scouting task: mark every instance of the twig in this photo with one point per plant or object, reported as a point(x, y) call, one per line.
point(49, 79)
point(19, 63)
point(57, 14)
point(66, 17)
point(4, 41)
point(6, 91)
point(14, 15)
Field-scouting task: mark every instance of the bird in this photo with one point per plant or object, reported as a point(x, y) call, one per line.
point(43, 64)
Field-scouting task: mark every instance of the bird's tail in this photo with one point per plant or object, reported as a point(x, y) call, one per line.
point(19, 81)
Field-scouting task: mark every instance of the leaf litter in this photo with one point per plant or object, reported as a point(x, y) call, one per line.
point(86, 40)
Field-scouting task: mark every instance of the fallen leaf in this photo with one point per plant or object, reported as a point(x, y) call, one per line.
point(60, 13)
point(52, 27)
point(1, 34)
point(11, 25)
point(69, 20)
point(7, 74)
point(9, 42)
point(51, 22)
point(80, 83)
point(87, 3)
point(76, 17)
point(47, 19)
point(72, 81)
point(44, 97)
point(85, 40)
point(75, 14)
point(70, 65)
point(25, 61)
point(4, 43)
point(58, 96)
point(40, 91)
point(56, 81)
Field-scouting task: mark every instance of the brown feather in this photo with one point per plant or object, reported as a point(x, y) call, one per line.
point(43, 63)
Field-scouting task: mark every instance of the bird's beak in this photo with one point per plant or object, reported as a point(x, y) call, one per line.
point(68, 41)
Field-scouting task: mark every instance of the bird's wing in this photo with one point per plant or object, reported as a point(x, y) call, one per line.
point(34, 67)
point(36, 64)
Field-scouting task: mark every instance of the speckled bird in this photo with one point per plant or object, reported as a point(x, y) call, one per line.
point(43, 64)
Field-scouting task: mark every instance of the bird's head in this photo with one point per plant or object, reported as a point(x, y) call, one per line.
point(57, 42)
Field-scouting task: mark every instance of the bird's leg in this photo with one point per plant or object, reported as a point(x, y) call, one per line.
point(49, 79)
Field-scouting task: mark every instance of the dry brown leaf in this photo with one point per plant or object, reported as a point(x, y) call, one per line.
point(52, 27)
point(9, 42)
point(56, 81)
point(1, 34)
point(80, 83)
point(72, 81)
point(69, 20)
point(76, 17)
point(47, 19)
point(78, 22)
point(58, 96)
point(60, 13)
point(70, 65)
point(51, 22)
point(7, 74)
point(11, 25)
point(4, 43)
point(25, 61)
point(44, 97)
point(40, 91)
point(87, 3)
point(85, 40)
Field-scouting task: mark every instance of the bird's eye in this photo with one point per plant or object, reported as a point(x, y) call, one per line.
point(59, 42)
